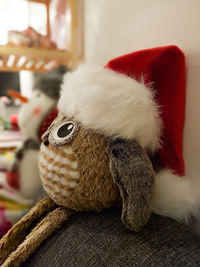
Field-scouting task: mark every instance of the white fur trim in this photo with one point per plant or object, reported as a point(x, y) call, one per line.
point(112, 104)
point(175, 197)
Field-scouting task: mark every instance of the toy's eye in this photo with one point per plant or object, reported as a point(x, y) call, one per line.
point(64, 133)
point(65, 130)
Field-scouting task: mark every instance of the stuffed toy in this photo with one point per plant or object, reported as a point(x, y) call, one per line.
point(35, 115)
point(96, 154)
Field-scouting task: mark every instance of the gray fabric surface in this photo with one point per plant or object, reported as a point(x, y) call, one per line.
point(100, 239)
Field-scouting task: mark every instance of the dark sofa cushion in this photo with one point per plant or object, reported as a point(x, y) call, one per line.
point(100, 239)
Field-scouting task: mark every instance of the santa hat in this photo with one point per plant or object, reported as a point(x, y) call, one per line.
point(140, 95)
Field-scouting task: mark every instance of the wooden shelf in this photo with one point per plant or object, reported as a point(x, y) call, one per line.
point(17, 58)
point(40, 1)
point(13, 58)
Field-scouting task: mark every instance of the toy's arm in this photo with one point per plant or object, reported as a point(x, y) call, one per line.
point(17, 233)
point(133, 173)
point(42, 230)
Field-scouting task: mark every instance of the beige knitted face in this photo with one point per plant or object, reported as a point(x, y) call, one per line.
point(74, 167)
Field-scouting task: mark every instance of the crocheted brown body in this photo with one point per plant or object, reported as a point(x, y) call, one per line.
point(70, 178)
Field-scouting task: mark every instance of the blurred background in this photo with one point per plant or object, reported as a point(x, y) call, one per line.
point(36, 37)
point(40, 40)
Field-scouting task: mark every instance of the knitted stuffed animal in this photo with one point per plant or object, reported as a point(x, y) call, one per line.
point(93, 156)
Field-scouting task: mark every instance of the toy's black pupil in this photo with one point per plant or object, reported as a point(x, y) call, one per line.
point(65, 130)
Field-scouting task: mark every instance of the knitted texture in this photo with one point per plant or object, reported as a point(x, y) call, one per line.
point(17, 233)
point(133, 173)
point(77, 175)
point(100, 240)
point(52, 221)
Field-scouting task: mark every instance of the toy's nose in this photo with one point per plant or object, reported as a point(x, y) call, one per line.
point(46, 142)
point(17, 95)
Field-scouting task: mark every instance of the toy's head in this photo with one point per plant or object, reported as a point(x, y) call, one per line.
point(93, 155)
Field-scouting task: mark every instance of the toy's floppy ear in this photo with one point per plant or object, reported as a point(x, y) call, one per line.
point(133, 173)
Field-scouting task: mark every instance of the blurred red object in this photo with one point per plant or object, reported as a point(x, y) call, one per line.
point(47, 122)
point(14, 122)
point(17, 95)
point(12, 178)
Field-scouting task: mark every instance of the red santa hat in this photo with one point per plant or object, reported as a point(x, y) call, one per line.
point(140, 95)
